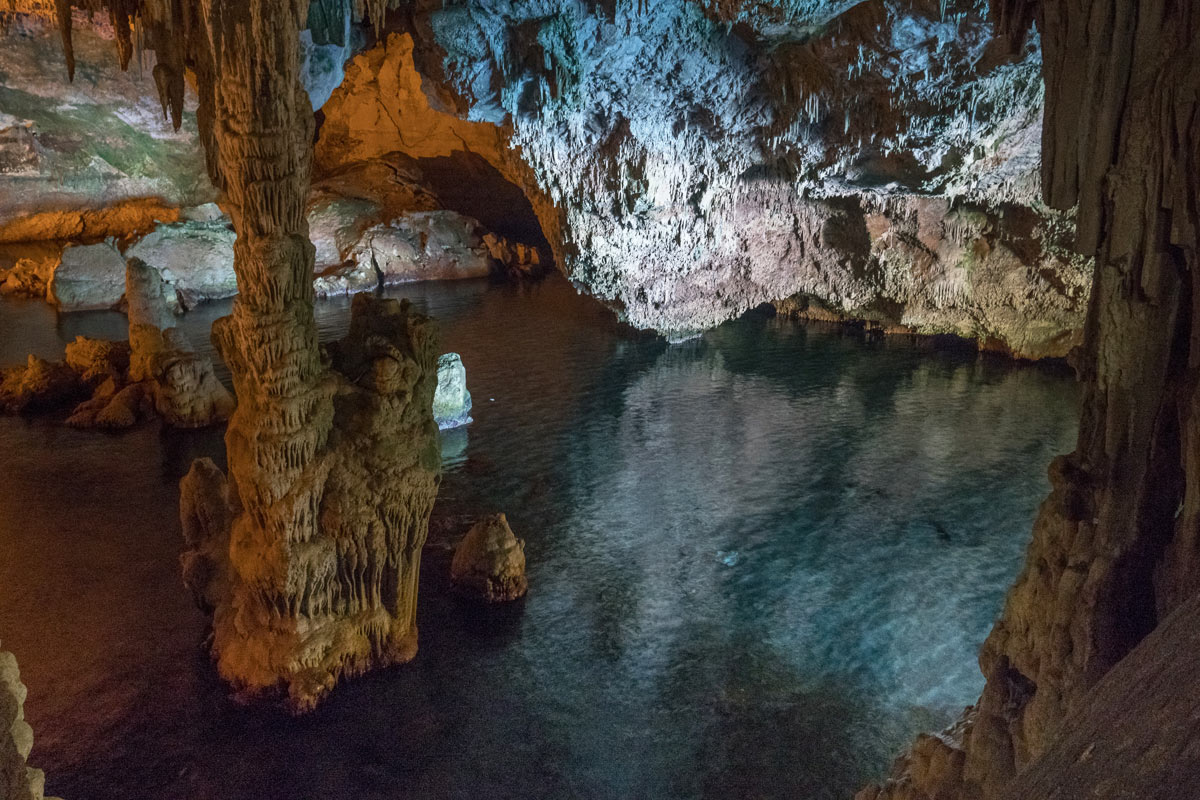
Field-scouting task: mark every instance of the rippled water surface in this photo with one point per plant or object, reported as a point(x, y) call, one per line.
point(759, 562)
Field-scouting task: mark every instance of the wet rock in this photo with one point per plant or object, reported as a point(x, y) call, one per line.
point(155, 372)
point(335, 225)
point(347, 280)
point(515, 259)
point(205, 212)
point(423, 246)
point(98, 360)
point(29, 277)
point(88, 277)
point(452, 401)
point(18, 781)
point(38, 385)
point(183, 384)
point(489, 563)
point(193, 258)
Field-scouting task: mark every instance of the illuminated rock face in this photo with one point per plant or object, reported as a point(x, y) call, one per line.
point(691, 159)
point(308, 554)
point(702, 158)
point(489, 564)
point(1114, 548)
point(17, 780)
point(452, 401)
point(89, 158)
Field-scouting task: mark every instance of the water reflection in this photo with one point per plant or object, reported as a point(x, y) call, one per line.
point(759, 561)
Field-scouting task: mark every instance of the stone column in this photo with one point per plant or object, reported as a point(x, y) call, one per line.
point(308, 556)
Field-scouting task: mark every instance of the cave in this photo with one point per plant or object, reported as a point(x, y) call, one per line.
point(687, 398)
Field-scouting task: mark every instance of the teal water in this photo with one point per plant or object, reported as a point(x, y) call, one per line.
point(760, 561)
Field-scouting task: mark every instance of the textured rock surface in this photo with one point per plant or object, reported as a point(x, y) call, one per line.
point(1137, 734)
point(194, 258)
point(1114, 547)
point(90, 158)
point(87, 277)
point(183, 385)
point(18, 781)
point(38, 385)
point(308, 555)
point(704, 158)
point(451, 401)
point(155, 372)
point(880, 158)
point(29, 276)
point(489, 563)
point(431, 245)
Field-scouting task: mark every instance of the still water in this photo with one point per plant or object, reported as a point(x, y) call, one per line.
point(759, 562)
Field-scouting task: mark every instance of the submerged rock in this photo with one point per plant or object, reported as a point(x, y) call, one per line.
point(451, 401)
point(489, 563)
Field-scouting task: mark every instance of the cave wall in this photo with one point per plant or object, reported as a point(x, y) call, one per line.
point(689, 160)
point(98, 154)
point(89, 158)
point(707, 157)
point(1114, 548)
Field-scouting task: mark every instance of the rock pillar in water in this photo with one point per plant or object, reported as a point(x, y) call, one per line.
point(489, 563)
point(308, 554)
point(452, 401)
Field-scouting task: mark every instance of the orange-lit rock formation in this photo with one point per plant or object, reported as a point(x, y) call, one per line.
point(489, 563)
point(332, 455)
point(155, 372)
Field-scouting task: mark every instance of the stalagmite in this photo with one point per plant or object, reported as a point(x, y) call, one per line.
point(308, 554)
point(489, 563)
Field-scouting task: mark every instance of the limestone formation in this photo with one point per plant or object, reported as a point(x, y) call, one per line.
point(28, 277)
point(329, 589)
point(37, 385)
point(18, 781)
point(333, 459)
point(91, 158)
point(87, 277)
point(194, 258)
point(1114, 546)
point(879, 156)
point(155, 373)
point(489, 563)
point(183, 385)
point(451, 401)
